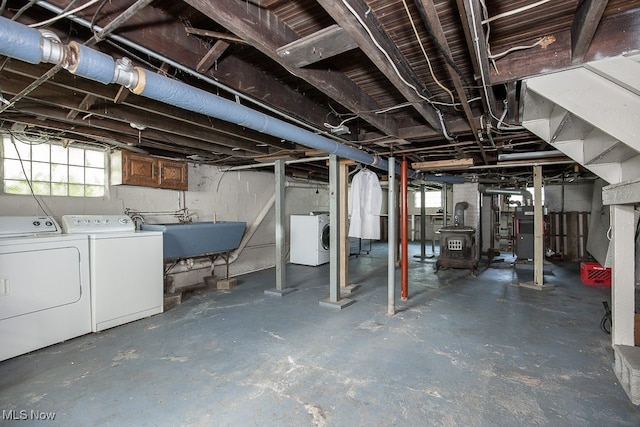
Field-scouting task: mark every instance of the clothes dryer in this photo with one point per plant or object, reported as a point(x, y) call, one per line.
point(44, 285)
point(309, 236)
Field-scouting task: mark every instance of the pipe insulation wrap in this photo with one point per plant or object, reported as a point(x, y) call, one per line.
point(92, 64)
point(163, 89)
point(20, 42)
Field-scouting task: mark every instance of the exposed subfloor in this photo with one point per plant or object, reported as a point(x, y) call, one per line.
point(462, 351)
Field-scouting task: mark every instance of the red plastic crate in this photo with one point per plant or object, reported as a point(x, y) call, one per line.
point(593, 274)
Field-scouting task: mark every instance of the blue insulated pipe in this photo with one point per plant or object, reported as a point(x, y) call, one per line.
point(172, 92)
point(27, 44)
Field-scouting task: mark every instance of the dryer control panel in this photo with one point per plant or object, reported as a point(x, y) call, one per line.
point(22, 226)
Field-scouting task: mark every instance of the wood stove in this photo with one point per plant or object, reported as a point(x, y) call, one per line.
point(457, 248)
point(458, 243)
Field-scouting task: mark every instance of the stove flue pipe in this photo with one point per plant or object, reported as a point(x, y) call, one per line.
point(458, 213)
point(30, 45)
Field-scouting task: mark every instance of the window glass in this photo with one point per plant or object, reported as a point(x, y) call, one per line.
point(433, 199)
point(52, 169)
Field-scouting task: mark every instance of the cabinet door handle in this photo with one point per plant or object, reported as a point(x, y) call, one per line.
point(154, 171)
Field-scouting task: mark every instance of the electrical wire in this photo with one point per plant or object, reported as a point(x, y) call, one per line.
point(26, 177)
point(514, 11)
point(23, 9)
point(384, 52)
point(477, 46)
point(515, 48)
point(64, 15)
point(95, 16)
point(424, 52)
point(605, 323)
point(409, 104)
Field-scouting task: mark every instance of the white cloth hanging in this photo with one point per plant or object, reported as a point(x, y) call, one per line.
point(365, 201)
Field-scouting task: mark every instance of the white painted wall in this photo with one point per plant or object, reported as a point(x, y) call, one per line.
point(227, 196)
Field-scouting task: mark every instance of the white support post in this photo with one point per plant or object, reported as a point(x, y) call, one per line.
point(538, 235)
point(623, 274)
point(392, 239)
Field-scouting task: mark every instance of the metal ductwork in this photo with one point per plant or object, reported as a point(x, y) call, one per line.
point(26, 44)
point(534, 155)
point(526, 194)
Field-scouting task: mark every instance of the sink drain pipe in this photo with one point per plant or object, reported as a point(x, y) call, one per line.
point(30, 45)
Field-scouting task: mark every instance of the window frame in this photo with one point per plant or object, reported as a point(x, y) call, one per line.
point(51, 184)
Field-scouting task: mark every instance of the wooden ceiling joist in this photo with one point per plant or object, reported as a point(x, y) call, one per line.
point(315, 47)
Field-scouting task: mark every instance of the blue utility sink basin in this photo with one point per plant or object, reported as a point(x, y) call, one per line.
point(185, 240)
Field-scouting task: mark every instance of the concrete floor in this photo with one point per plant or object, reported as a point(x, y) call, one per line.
point(461, 351)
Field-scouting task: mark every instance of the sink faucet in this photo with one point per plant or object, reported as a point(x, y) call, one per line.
point(184, 216)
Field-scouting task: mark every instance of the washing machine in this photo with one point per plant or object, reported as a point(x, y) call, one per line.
point(44, 285)
point(309, 239)
point(126, 268)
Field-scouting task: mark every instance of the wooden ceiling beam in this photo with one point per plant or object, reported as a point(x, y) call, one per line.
point(585, 23)
point(267, 33)
point(147, 108)
point(73, 128)
point(166, 35)
point(614, 35)
point(85, 104)
point(398, 64)
point(430, 16)
point(212, 56)
point(117, 116)
point(323, 44)
point(471, 18)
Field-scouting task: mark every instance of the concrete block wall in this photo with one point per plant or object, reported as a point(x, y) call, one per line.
point(225, 196)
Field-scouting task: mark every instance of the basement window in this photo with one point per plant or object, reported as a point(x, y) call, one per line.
point(43, 167)
point(432, 199)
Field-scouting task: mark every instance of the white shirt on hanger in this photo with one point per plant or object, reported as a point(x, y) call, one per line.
point(365, 202)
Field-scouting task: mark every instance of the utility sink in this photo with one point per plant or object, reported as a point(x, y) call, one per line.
point(185, 240)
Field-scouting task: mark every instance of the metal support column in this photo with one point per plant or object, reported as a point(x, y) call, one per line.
point(334, 300)
point(281, 253)
point(392, 239)
point(423, 226)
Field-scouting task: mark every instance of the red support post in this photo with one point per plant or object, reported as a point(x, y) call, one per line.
point(404, 230)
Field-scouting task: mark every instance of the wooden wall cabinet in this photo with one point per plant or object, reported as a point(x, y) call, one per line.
point(128, 168)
